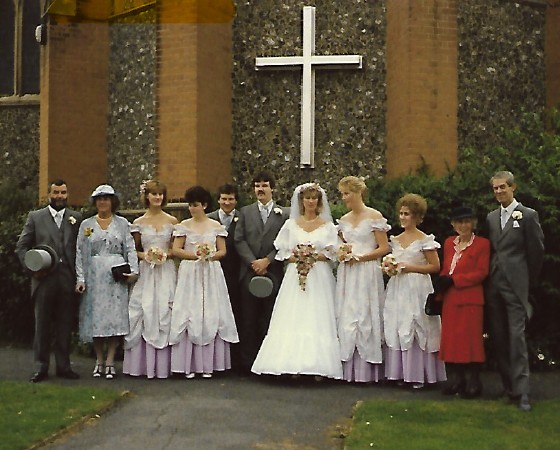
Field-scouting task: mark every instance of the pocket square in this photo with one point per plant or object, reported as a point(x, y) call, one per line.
point(515, 224)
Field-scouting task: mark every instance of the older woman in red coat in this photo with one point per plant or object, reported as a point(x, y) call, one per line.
point(465, 266)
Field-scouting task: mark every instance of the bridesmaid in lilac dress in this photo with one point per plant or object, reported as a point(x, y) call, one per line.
point(147, 351)
point(411, 336)
point(359, 287)
point(202, 322)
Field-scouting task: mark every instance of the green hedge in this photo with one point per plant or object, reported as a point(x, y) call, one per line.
point(533, 155)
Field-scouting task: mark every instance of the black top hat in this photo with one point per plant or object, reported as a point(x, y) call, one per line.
point(462, 212)
point(262, 286)
point(41, 257)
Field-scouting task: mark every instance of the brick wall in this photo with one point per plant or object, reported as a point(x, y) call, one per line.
point(73, 119)
point(421, 85)
point(193, 98)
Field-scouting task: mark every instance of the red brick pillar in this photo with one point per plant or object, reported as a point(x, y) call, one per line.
point(194, 93)
point(422, 79)
point(552, 53)
point(73, 122)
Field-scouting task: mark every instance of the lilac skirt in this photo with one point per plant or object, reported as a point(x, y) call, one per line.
point(146, 360)
point(414, 365)
point(187, 357)
point(359, 370)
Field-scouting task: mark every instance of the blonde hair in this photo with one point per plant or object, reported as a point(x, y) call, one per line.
point(355, 184)
point(415, 203)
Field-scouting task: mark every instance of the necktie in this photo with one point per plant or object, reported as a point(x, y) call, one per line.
point(58, 219)
point(227, 220)
point(503, 218)
point(264, 214)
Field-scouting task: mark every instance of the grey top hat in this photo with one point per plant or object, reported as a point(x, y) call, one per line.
point(41, 257)
point(262, 286)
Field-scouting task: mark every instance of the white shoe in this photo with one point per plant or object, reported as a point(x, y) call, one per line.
point(206, 375)
point(417, 385)
point(189, 376)
point(97, 370)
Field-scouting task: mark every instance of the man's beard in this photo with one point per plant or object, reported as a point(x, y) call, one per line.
point(57, 205)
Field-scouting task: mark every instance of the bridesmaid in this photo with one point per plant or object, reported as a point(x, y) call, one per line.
point(202, 323)
point(359, 288)
point(411, 336)
point(149, 310)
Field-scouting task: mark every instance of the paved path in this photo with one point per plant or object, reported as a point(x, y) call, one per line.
point(228, 412)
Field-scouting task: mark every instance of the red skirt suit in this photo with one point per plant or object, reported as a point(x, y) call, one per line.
point(462, 313)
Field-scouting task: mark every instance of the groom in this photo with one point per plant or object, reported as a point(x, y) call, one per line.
point(257, 228)
point(52, 291)
point(517, 255)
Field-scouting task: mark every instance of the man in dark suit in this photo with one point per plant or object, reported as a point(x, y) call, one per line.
point(517, 255)
point(228, 216)
point(53, 290)
point(258, 226)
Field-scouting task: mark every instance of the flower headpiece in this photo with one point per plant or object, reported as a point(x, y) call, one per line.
point(143, 186)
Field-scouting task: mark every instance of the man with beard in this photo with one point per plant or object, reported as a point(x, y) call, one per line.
point(54, 228)
point(257, 228)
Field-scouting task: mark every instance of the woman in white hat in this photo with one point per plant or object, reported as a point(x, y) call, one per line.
point(104, 243)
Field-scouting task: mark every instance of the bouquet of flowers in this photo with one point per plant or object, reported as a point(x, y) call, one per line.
point(389, 265)
point(344, 253)
point(155, 256)
point(204, 251)
point(306, 257)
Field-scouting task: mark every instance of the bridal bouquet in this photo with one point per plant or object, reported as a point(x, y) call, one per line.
point(344, 253)
point(389, 265)
point(204, 251)
point(155, 256)
point(306, 257)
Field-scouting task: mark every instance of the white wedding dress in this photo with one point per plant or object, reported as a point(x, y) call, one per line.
point(302, 336)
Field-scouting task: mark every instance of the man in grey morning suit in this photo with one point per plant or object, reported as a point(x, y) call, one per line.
point(257, 228)
point(228, 216)
point(52, 291)
point(517, 255)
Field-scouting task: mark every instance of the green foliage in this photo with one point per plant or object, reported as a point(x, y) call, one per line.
point(532, 153)
point(456, 424)
point(16, 310)
point(31, 412)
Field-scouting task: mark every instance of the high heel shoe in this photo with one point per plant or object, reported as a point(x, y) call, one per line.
point(454, 388)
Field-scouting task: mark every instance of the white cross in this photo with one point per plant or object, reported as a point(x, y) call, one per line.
point(310, 62)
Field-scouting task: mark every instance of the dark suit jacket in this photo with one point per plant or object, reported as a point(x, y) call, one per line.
point(230, 262)
point(40, 229)
point(255, 240)
point(517, 250)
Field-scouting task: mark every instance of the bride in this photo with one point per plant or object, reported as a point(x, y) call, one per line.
point(302, 335)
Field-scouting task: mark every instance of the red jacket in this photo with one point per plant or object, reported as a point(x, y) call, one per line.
point(470, 271)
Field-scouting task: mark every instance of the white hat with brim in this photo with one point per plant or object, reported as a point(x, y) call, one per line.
point(103, 189)
point(42, 257)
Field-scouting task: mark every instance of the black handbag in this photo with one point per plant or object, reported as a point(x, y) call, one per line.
point(433, 306)
point(119, 271)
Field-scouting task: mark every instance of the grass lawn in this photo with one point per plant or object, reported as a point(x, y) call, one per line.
point(31, 412)
point(455, 424)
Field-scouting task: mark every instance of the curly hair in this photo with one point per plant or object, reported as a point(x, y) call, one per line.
point(312, 188)
point(415, 203)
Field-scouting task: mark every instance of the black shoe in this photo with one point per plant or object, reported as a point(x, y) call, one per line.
point(37, 377)
point(473, 390)
point(524, 403)
point(68, 374)
point(456, 388)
